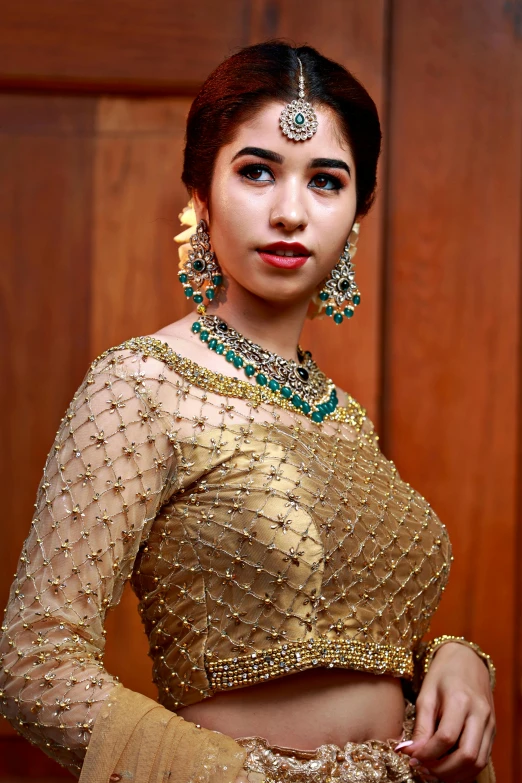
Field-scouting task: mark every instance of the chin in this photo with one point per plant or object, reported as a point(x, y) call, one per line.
point(279, 289)
point(283, 301)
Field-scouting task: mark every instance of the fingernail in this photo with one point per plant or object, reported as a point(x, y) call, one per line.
point(404, 744)
point(414, 762)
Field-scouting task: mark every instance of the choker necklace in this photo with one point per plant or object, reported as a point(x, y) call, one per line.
point(302, 384)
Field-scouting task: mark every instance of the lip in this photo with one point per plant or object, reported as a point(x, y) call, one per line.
point(269, 255)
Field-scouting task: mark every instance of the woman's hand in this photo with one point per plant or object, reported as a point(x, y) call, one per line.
point(455, 716)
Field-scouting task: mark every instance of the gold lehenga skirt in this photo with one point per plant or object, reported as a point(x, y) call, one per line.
point(368, 762)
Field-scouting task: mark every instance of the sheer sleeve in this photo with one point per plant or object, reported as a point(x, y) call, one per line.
point(111, 467)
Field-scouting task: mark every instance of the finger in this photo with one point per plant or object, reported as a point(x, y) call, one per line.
point(426, 712)
point(464, 761)
point(446, 735)
point(487, 744)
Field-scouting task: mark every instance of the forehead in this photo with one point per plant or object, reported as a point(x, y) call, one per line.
point(263, 130)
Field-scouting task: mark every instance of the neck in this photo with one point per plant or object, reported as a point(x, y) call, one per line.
point(271, 325)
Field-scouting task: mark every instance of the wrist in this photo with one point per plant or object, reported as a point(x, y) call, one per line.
point(449, 648)
point(451, 642)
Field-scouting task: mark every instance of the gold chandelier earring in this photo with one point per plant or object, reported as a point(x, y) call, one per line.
point(199, 273)
point(340, 294)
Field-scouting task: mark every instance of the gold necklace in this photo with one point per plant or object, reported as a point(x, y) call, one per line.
point(302, 383)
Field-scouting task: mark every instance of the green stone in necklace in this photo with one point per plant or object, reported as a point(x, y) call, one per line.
point(302, 384)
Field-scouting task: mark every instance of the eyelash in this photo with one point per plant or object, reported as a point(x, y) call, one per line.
point(337, 184)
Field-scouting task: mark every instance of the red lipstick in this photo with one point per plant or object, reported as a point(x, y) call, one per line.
point(276, 254)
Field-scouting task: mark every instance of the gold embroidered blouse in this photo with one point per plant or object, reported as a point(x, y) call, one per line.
point(258, 542)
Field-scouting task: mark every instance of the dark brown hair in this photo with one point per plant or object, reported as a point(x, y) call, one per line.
point(243, 83)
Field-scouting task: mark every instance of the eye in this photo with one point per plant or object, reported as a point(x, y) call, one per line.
point(254, 172)
point(327, 182)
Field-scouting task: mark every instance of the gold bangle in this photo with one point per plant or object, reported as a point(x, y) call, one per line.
point(426, 655)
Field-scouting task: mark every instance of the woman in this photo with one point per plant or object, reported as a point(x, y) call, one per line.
point(286, 574)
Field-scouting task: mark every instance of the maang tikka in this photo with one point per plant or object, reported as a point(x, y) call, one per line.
point(199, 267)
point(298, 119)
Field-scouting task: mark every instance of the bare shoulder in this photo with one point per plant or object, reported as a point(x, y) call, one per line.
point(177, 330)
point(183, 341)
point(179, 336)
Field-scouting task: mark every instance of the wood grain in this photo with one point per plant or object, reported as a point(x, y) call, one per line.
point(124, 45)
point(137, 198)
point(453, 308)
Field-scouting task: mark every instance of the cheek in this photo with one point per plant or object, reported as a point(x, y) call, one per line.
point(332, 238)
point(234, 211)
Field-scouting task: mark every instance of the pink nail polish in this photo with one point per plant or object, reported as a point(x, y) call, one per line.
point(403, 744)
point(414, 762)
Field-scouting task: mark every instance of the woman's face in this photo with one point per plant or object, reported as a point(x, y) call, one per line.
point(268, 191)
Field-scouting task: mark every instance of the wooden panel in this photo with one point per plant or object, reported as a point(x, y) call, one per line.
point(452, 321)
point(46, 158)
point(123, 45)
point(354, 34)
point(138, 195)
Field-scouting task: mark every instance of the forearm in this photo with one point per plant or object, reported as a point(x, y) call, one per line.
point(52, 695)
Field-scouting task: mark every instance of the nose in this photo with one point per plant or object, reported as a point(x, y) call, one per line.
point(289, 210)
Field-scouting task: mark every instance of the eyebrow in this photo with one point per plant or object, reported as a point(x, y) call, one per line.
point(315, 163)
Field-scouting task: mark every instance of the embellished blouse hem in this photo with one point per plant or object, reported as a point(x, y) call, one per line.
point(367, 656)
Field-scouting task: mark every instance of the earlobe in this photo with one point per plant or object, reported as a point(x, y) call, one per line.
point(200, 207)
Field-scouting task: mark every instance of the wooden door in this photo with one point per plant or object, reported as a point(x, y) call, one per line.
point(92, 110)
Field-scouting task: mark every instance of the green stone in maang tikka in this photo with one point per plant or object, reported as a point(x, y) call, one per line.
point(299, 120)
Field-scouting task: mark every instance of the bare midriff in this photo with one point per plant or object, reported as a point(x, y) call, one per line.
point(307, 709)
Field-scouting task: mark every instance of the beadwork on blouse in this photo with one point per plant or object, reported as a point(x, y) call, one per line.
point(258, 542)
